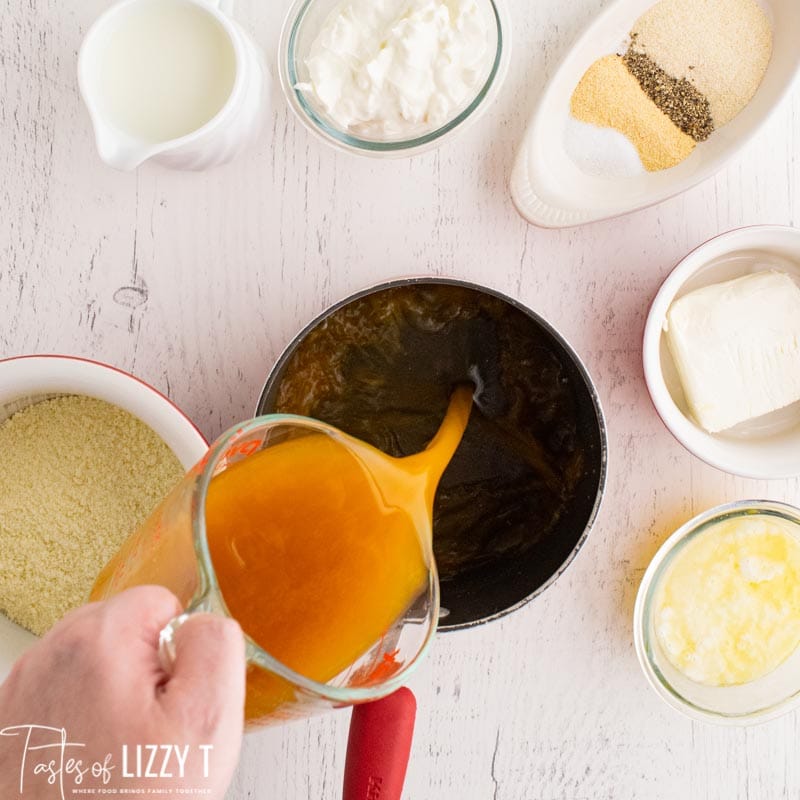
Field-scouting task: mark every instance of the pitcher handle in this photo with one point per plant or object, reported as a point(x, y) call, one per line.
point(166, 642)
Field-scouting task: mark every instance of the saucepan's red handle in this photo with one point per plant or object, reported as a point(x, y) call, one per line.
point(378, 747)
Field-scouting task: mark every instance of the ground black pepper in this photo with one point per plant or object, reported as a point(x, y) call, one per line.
point(688, 109)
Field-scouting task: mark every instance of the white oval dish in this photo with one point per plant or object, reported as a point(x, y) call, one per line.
point(768, 447)
point(30, 379)
point(550, 190)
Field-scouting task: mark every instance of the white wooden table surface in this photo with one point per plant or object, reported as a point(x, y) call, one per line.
point(196, 281)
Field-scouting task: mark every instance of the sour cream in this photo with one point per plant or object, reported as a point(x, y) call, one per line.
point(397, 69)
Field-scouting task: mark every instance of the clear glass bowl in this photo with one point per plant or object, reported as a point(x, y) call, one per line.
point(302, 24)
point(765, 698)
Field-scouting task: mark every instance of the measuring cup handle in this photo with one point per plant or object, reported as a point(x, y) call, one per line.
point(378, 747)
point(166, 642)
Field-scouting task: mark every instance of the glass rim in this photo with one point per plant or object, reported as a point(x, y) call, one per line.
point(372, 147)
point(645, 598)
point(209, 589)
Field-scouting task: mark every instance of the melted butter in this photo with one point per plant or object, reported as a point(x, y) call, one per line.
point(320, 545)
point(728, 608)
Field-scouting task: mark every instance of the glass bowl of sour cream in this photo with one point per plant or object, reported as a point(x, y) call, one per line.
point(392, 77)
point(717, 616)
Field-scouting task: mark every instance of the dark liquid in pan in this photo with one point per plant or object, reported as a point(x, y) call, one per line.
point(382, 369)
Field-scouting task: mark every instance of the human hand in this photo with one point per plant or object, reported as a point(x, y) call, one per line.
point(96, 675)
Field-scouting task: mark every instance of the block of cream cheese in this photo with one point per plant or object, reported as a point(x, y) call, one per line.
point(736, 346)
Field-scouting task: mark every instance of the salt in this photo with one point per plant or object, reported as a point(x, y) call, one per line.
point(601, 152)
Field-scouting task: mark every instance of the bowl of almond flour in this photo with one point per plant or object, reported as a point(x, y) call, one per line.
point(87, 452)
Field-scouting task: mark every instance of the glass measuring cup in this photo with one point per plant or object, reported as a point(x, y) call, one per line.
point(172, 549)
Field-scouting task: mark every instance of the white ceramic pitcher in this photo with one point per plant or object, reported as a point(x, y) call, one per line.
point(233, 128)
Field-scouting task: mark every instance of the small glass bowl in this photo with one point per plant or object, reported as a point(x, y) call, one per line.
point(304, 20)
point(765, 698)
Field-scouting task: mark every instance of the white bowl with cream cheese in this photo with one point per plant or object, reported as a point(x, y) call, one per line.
point(767, 447)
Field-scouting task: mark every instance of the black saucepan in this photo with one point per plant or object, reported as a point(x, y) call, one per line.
point(521, 494)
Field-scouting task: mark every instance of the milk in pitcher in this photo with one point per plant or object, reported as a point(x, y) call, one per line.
point(166, 69)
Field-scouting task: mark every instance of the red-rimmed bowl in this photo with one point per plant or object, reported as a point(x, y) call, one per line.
point(31, 379)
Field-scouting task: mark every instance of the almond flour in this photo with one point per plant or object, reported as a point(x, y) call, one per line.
point(77, 476)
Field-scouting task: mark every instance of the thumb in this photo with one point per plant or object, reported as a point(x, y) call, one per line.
point(209, 670)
